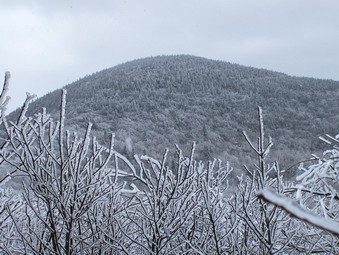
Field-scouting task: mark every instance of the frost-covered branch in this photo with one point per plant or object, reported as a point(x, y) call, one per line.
point(68, 180)
point(299, 212)
point(3, 96)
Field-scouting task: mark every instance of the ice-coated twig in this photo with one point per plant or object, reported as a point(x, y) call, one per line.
point(250, 142)
point(62, 123)
point(22, 115)
point(297, 211)
point(3, 98)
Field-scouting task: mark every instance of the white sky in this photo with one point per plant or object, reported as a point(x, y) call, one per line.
point(48, 44)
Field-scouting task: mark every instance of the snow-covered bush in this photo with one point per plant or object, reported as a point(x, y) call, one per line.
point(68, 178)
point(318, 185)
point(81, 197)
point(315, 201)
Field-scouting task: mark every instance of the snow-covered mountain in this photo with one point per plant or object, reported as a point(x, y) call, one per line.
point(156, 102)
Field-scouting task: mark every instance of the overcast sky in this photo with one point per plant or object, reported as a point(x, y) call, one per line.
point(48, 44)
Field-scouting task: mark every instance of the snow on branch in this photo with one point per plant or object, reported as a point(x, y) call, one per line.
point(3, 98)
point(297, 211)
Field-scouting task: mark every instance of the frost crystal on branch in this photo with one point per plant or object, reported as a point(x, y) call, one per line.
point(299, 212)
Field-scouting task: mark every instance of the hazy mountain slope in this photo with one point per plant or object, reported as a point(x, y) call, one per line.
point(153, 103)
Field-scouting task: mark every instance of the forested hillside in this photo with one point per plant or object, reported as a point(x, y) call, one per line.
point(155, 102)
point(82, 197)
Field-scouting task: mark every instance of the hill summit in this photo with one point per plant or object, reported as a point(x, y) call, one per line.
point(156, 102)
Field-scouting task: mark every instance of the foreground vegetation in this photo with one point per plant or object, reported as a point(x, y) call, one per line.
point(85, 198)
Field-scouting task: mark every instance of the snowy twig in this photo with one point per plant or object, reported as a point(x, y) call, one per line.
point(297, 211)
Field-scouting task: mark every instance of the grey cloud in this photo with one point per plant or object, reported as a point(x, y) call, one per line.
point(50, 43)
